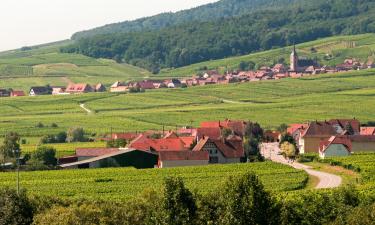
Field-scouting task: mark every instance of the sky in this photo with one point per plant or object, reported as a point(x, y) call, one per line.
point(32, 22)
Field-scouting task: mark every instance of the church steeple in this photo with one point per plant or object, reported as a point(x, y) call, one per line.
point(294, 60)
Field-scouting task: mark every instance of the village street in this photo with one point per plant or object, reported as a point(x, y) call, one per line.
point(271, 151)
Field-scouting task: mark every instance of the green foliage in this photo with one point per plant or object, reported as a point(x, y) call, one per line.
point(179, 202)
point(262, 30)
point(11, 146)
point(76, 134)
point(15, 209)
point(204, 179)
point(45, 156)
point(118, 143)
point(246, 202)
point(58, 138)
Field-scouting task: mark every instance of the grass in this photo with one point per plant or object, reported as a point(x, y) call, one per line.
point(119, 184)
point(271, 103)
point(63, 149)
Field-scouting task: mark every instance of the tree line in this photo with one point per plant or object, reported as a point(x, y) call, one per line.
point(195, 42)
point(241, 200)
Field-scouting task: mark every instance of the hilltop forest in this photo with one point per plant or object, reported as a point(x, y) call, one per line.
point(263, 29)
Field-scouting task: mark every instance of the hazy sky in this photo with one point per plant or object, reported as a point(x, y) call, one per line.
point(30, 22)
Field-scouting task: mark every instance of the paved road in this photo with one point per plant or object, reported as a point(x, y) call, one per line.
point(326, 180)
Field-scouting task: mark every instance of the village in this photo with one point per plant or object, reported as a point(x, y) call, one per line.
point(223, 142)
point(298, 68)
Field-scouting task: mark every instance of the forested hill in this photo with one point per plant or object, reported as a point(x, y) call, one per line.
point(209, 12)
point(261, 30)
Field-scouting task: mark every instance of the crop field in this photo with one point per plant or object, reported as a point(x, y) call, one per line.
point(338, 48)
point(63, 149)
point(123, 183)
point(270, 103)
point(364, 163)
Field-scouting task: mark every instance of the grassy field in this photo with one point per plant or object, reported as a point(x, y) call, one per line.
point(271, 103)
point(364, 164)
point(45, 65)
point(123, 183)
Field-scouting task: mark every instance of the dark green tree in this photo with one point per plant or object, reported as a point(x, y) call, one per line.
point(15, 209)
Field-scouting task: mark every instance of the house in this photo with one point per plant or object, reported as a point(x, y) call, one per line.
point(335, 146)
point(100, 88)
point(4, 93)
point(295, 130)
point(362, 143)
point(221, 151)
point(238, 127)
point(88, 153)
point(42, 90)
point(185, 158)
point(313, 135)
point(142, 142)
point(78, 88)
point(340, 125)
point(119, 87)
point(125, 136)
point(120, 158)
point(367, 131)
point(272, 136)
point(146, 85)
point(212, 132)
point(58, 90)
point(174, 83)
point(16, 93)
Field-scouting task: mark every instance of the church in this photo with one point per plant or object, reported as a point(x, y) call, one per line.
point(298, 64)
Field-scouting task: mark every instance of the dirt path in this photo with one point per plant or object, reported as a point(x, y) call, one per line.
point(84, 108)
point(326, 180)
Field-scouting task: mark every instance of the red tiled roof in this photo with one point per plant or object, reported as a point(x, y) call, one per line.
point(343, 122)
point(340, 139)
point(17, 93)
point(226, 148)
point(94, 152)
point(238, 126)
point(188, 141)
point(168, 144)
point(125, 136)
point(319, 129)
point(211, 132)
point(184, 155)
point(294, 127)
point(146, 85)
point(367, 130)
point(78, 88)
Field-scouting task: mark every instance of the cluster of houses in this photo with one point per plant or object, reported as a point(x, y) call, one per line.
point(336, 137)
point(298, 68)
point(208, 144)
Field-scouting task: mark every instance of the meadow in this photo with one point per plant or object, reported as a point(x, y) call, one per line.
point(364, 164)
point(120, 184)
point(271, 103)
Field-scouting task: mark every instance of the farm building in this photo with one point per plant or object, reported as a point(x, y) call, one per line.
point(185, 158)
point(17, 93)
point(4, 93)
point(78, 88)
point(121, 158)
point(43, 90)
point(100, 88)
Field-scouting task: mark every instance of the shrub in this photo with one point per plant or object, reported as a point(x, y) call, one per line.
point(15, 209)
point(39, 125)
point(118, 143)
point(76, 134)
point(44, 155)
point(54, 125)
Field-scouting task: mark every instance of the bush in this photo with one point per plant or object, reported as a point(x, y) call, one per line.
point(54, 125)
point(118, 143)
point(15, 209)
point(39, 125)
point(44, 155)
point(76, 134)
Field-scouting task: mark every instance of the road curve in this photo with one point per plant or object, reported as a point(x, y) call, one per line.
point(326, 180)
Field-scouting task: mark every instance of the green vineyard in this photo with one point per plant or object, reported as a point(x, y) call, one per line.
point(119, 184)
point(9, 70)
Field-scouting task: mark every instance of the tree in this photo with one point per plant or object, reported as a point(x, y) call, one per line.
point(179, 203)
point(289, 150)
point(282, 128)
point(45, 155)
point(117, 143)
point(10, 146)
point(246, 202)
point(61, 137)
point(15, 209)
point(76, 134)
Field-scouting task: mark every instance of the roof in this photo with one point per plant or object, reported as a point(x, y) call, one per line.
point(169, 144)
point(93, 152)
point(226, 148)
point(185, 155)
point(367, 131)
point(18, 93)
point(238, 126)
point(98, 158)
point(125, 136)
point(297, 126)
point(319, 129)
point(41, 89)
point(146, 85)
point(211, 132)
point(343, 122)
point(362, 138)
point(343, 140)
point(78, 88)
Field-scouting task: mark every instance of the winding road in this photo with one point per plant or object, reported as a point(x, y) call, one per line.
point(326, 180)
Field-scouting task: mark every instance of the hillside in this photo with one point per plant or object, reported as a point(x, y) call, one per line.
point(209, 12)
point(327, 51)
point(41, 65)
point(271, 103)
point(195, 42)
